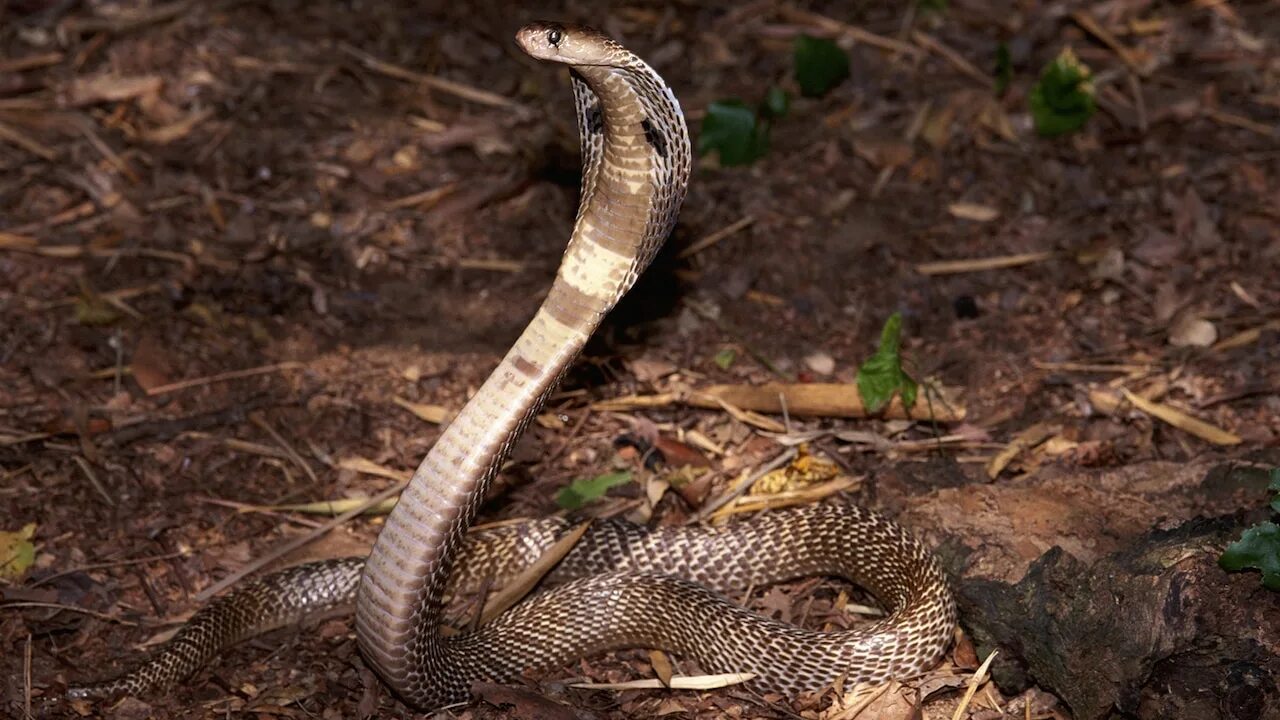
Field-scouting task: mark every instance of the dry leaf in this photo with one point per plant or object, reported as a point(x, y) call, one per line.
point(661, 666)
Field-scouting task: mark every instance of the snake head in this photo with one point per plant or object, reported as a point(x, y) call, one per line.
point(568, 44)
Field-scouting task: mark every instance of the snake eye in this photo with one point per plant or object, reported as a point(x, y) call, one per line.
point(554, 36)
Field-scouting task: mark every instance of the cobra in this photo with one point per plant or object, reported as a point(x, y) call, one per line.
point(622, 585)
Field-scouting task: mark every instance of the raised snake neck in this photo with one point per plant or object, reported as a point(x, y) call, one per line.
point(621, 585)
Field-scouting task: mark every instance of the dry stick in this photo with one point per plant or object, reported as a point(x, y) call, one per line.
point(10, 241)
point(502, 600)
point(247, 508)
point(93, 479)
point(111, 564)
point(679, 682)
point(30, 62)
point(12, 135)
point(949, 267)
point(1126, 55)
point(875, 692)
point(466, 92)
point(1139, 105)
point(26, 678)
point(111, 156)
point(424, 200)
point(778, 461)
point(297, 542)
point(222, 377)
point(715, 237)
point(288, 449)
point(68, 608)
point(1241, 122)
point(492, 264)
point(974, 682)
point(956, 59)
point(71, 214)
point(126, 21)
point(853, 32)
point(121, 294)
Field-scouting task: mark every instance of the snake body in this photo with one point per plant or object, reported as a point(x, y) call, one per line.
point(622, 585)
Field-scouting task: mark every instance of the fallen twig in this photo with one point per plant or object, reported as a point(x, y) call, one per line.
point(13, 136)
point(745, 483)
point(466, 92)
point(223, 377)
point(1182, 421)
point(677, 682)
point(951, 267)
point(956, 59)
point(974, 682)
point(69, 608)
point(1127, 55)
point(711, 239)
point(853, 32)
point(288, 547)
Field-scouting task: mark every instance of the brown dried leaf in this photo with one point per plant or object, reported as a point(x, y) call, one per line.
point(649, 370)
point(891, 701)
point(150, 364)
point(661, 666)
point(521, 703)
point(1191, 218)
point(679, 454)
point(778, 604)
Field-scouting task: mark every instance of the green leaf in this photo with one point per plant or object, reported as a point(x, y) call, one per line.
point(733, 130)
point(820, 65)
point(1062, 99)
point(881, 376)
point(1257, 548)
point(724, 359)
point(1275, 480)
point(932, 5)
point(1004, 68)
point(584, 490)
point(17, 552)
point(776, 103)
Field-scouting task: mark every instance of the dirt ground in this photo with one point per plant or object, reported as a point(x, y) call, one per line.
point(241, 242)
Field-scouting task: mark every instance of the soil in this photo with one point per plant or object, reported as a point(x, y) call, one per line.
point(241, 241)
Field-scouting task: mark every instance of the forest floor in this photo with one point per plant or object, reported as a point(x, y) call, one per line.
point(253, 253)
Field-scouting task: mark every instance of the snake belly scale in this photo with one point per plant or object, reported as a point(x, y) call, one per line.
point(622, 585)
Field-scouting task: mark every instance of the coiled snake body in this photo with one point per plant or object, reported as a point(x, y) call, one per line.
point(621, 585)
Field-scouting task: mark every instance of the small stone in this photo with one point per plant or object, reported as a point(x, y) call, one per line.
point(820, 362)
point(1192, 331)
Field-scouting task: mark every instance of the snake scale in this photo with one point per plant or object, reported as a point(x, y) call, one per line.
point(622, 585)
